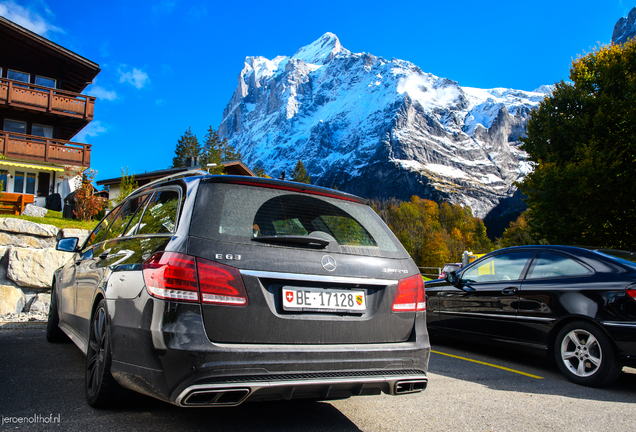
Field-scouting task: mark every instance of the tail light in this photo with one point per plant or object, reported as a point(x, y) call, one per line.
point(631, 292)
point(410, 296)
point(171, 276)
point(180, 277)
point(220, 284)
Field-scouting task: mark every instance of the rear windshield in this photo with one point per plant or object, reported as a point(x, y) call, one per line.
point(239, 214)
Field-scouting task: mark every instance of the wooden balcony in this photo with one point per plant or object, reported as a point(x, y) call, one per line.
point(35, 148)
point(60, 102)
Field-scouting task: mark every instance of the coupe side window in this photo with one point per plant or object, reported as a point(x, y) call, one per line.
point(549, 265)
point(504, 267)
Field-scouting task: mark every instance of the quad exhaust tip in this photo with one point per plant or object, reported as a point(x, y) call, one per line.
point(410, 386)
point(221, 397)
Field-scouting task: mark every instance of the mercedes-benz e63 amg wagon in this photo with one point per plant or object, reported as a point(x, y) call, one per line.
point(205, 290)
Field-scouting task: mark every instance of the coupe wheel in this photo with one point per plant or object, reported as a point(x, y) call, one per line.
point(585, 355)
point(53, 331)
point(101, 387)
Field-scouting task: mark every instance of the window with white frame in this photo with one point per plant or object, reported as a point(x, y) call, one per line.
point(42, 130)
point(44, 81)
point(18, 76)
point(24, 182)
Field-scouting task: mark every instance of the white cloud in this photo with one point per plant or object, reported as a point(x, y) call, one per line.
point(102, 93)
point(92, 130)
point(136, 77)
point(420, 88)
point(27, 17)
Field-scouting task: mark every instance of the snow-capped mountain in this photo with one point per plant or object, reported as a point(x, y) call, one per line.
point(379, 128)
point(625, 28)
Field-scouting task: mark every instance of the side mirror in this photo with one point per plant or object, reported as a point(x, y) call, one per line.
point(68, 244)
point(452, 278)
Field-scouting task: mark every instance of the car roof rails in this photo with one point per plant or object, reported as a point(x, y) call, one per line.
point(182, 174)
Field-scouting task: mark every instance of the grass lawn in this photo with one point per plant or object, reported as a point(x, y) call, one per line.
point(55, 218)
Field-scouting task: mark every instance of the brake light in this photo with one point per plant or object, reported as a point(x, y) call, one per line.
point(220, 284)
point(410, 295)
point(180, 277)
point(631, 292)
point(171, 276)
point(295, 189)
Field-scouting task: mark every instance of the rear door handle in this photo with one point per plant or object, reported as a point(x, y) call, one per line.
point(508, 291)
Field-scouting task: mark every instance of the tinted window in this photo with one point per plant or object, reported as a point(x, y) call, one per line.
point(501, 267)
point(237, 214)
point(548, 265)
point(305, 215)
point(99, 233)
point(124, 216)
point(161, 215)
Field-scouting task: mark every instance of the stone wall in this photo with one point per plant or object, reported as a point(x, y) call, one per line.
point(27, 261)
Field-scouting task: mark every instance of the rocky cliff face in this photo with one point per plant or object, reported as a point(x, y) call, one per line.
point(379, 128)
point(625, 28)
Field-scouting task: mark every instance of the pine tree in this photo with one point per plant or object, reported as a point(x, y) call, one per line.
point(299, 174)
point(259, 171)
point(216, 150)
point(187, 146)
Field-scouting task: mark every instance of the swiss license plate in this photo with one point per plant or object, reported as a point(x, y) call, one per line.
point(323, 300)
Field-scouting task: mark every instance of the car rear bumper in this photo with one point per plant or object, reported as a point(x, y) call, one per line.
point(295, 386)
point(623, 333)
point(167, 354)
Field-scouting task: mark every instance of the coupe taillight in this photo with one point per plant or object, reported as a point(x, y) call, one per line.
point(631, 292)
point(180, 277)
point(410, 296)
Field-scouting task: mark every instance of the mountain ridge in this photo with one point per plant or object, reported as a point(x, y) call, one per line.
point(380, 128)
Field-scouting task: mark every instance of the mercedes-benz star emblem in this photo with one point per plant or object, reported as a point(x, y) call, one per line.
point(328, 263)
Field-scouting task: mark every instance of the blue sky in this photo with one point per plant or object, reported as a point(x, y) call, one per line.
point(172, 64)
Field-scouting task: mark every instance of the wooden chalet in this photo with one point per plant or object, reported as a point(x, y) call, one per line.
point(41, 109)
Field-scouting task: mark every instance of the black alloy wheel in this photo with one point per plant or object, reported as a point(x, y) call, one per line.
point(101, 387)
point(585, 355)
point(54, 333)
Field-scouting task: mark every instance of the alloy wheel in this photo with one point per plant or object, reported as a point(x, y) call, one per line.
point(581, 353)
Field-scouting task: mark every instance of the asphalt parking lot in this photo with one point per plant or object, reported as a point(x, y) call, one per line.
point(472, 388)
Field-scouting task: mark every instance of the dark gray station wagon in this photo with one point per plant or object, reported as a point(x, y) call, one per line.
point(206, 290)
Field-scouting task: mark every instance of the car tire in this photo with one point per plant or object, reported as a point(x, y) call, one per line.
point(54, 333)
point(100, 386)
point(585, 355)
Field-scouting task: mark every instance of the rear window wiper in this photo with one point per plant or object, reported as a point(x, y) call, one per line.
point(298, 239)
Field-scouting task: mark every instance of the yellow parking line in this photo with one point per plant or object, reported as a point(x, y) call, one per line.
point(488, 364)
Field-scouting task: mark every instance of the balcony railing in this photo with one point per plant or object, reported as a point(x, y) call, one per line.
point(31, 96)
point(30, 147)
